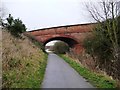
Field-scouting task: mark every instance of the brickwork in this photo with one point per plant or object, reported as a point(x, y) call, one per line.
point(71, 33)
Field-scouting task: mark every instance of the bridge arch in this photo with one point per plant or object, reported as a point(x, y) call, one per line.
point(70, 41)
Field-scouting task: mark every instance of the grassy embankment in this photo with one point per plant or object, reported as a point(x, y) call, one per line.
point(0, 58)
point(97, 80)
point(23, 62)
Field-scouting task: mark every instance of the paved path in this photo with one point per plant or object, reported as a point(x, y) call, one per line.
point(60, 75)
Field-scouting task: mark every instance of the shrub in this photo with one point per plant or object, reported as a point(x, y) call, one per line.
point(60, 47)
point(99, 46)
point(14, 26)
point(104, 47)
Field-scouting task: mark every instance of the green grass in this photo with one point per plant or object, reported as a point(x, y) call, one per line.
point(29, 74)
point(97, 80)
point(23, 62)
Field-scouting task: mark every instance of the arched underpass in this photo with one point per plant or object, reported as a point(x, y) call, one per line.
point(73, 35)
point(72, 43)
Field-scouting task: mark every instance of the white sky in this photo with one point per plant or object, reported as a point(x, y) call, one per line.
point(37, 14)
point(51, 43)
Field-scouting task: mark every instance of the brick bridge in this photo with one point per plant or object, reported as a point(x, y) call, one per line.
point(73, 35)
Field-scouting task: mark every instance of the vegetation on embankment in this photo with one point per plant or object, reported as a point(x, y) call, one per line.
point(23, 62)
point(98, 80)
point(60, 47)
point(104, 45)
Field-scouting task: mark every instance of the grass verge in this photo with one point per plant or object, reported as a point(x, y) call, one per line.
point(97, 80)
point(28, 75)
point(23, 62)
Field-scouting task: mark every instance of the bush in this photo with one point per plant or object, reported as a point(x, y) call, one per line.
point(104, 47)
point(60, 47)
point(99, 46)
point(14, 26)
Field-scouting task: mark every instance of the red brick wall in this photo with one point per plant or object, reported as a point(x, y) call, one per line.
point(77, 32)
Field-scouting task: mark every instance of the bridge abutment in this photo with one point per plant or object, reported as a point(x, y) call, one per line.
point(77, 49)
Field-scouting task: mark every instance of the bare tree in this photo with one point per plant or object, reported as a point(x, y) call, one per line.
point(107, 11)
point(107, 15)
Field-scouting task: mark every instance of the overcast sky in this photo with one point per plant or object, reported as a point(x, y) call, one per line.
point(37, 14)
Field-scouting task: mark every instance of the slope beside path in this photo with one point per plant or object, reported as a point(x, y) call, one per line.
point(60, 75)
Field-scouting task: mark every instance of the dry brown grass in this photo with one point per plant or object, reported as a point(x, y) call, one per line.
point(0, 57)
point(20, 58)
point(18, 48)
